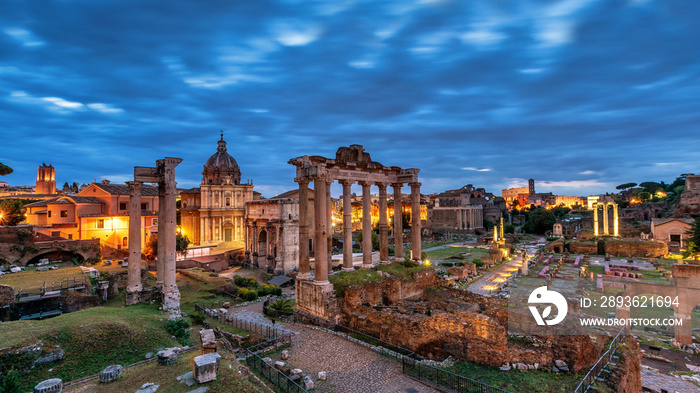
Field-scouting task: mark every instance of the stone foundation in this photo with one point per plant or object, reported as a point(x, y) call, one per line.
point(141, 296)
point(316, 300)
point(171, 300)
point(622, 248)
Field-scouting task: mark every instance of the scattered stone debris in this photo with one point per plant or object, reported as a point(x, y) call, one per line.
point(206, 367)
point(187, 379)
point(111, 373)
point(168, 356)
point(149, 387)
point(54, 385)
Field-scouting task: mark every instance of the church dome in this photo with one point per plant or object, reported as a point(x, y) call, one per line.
point(221, 167)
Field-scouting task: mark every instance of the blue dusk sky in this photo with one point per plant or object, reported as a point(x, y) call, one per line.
point(580, 95)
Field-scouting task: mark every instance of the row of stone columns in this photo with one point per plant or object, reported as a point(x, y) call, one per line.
point(323, 225)
point(606, 225)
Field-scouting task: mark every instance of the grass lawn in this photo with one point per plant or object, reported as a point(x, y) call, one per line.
point(343, 280)
point(194, 291)
point(32, 279)
point(452, 251)
point(516, 381)
point(91, 339)
point(228, 379)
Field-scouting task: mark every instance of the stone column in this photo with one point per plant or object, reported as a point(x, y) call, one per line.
point(383, 225)
point(160, 255)
point(366, 226)
point(398, 223)
point(268, 254)
point(134, 274)
point(347, 226)
point(304, 273)
point(595, 219)
point(171, 295)
point(254, 243)
point(502, 237)
point(321, 251)
point(329, 222)
point(246, 241)
point(415, 221)
point(606, 224)
point(616, 222)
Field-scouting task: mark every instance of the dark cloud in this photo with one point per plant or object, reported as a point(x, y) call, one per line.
point(579, 91)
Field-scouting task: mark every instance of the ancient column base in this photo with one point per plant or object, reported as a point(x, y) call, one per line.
point(348, 269)
point(303, 276)
point(315, 299)
point(366, 266)
point(159, 284)
point(171, 299)
point(383, 262)
point(134, 288)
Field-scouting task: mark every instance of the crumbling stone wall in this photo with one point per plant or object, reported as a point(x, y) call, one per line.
point(627, 377)
point(7, 295)
point(636, 248)
point(622, 248)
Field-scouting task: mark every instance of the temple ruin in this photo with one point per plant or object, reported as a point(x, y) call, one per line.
point(164, 175)
point(351, 165)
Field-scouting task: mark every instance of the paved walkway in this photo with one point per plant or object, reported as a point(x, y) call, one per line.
point(657, 381)
point(350, 368)
point(486, 284)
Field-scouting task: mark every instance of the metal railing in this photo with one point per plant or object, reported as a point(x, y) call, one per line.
point(228, 319)
point(382, 347)
point(446, 379)
point(605, 359)
point(277, 377)
point(412, 366)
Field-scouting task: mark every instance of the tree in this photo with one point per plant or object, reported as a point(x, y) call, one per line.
point(509, 228)
point(539, 221)
point(644, 196)
point(150, 250)
point(625, 186)
point(11, 211)
point(75, 188)
point(694, 232)
point(692, 251)
point(5, 170)
point(651, 187)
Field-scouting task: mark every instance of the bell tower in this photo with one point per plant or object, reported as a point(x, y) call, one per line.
point(46, 180)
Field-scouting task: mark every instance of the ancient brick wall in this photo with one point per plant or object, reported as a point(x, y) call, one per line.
point(627, 377)
point(578, 247)
point(636, 248)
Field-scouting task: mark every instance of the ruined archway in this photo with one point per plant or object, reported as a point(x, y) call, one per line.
point(57, 255)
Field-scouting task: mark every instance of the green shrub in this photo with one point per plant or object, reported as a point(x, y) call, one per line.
point(478, 262)
point(197, 318)
point(269, 289)
point(180, 329)
point(10, 384)
point(245, 282)
point(248, 294)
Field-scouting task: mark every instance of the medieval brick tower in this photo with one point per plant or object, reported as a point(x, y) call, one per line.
point(46, 180)
point(531, 186)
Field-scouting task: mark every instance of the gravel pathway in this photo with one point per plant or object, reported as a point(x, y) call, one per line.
point(350, 368)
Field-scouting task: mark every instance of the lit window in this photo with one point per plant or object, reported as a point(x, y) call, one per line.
point(64, 213)
point(100, 223)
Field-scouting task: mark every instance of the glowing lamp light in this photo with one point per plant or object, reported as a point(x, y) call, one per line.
point(427, 262)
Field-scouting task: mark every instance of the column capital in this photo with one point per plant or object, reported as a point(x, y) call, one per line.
point(397, 185)
point(415, 184)
point(302, 180)
point(364, 183)
point(381, 185)
point(319, 177)
point(346, 182)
